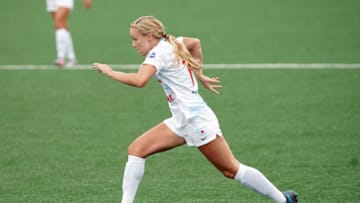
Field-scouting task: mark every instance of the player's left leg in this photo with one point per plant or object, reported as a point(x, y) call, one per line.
point(219, 154)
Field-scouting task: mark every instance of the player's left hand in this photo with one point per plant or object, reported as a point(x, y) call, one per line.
point(87, 4)
point(210, 83)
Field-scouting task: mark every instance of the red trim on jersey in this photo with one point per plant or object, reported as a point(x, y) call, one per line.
point(191, 76)
point(190, 72)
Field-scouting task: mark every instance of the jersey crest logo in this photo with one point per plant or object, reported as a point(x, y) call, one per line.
point(152, 55)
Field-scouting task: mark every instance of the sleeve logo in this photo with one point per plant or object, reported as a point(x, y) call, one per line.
point(152, 55)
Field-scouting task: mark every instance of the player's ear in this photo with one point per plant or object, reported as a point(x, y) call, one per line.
point(149, 36)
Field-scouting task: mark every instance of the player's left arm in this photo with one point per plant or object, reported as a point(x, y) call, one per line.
point(193, 45)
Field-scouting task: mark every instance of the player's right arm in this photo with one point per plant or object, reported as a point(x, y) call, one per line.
point(138, 79)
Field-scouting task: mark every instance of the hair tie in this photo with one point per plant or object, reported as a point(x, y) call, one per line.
point(166, 36)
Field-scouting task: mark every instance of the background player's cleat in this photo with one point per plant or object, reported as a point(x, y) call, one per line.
point(291, 196)
point(70, 64)
point(60, 63)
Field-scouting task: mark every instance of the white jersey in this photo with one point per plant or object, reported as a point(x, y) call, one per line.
point(178, 81)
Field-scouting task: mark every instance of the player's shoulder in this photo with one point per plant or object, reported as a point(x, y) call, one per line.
point(180, 39)
point(163, 47)
point(159, 51)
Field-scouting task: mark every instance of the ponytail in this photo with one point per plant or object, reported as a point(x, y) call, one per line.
point(183, 54)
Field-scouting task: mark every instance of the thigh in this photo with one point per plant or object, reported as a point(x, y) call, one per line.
point(157, 139)
point(219, 154)
point(60, 17)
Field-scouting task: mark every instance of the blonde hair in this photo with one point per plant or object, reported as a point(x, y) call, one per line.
point(149, 24)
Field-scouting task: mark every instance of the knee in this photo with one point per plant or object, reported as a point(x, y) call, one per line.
point(60, 22)
point(132, 149)
point(229, 173)
point(136, 150)
point(60, 25)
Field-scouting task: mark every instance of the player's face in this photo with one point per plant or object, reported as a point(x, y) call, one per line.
point(140, 41)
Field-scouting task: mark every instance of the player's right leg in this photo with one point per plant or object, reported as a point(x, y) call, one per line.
point(157, 139)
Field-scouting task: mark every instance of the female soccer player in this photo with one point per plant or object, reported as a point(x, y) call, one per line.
point(60, 10)
point(174, 62)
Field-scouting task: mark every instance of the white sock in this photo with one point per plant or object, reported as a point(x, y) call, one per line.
point(60, 39)
point(134, 171)
point(255, 180)
point(70, 53)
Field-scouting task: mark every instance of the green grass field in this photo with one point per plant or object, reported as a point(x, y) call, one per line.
point(64, 136)
point(64, 133)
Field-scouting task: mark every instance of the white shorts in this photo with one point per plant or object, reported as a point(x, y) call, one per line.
point(199, 130)
point(53, 5)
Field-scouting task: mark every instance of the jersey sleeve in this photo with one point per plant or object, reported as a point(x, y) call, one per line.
point(154, 58)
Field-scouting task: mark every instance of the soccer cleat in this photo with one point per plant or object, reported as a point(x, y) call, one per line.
point(70, 64)
point(291, 196)
point(60, 63)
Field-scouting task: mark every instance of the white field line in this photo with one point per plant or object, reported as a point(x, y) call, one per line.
point(209, 66)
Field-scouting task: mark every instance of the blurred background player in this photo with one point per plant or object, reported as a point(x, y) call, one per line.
point(60, 11)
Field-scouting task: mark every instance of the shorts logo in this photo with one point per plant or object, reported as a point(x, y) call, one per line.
point(202, 133)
